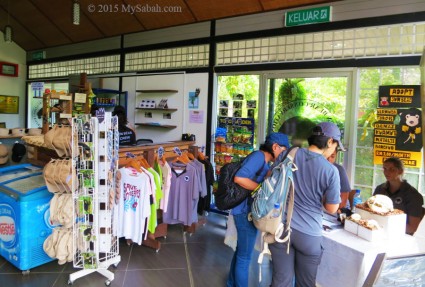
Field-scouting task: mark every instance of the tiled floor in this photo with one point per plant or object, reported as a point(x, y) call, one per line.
point(184, 260)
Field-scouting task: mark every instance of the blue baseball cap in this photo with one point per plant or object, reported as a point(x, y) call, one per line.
point(331, 130)
point(279, 138)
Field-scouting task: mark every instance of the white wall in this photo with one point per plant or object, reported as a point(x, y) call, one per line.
point(13, 86)
point(194, 81)
point(183, 83)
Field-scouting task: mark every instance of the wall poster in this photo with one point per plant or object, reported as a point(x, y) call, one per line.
point(398, 129)
point(9, 104)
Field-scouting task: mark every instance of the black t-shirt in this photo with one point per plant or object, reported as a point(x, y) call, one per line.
point(127, 136)
point(407, 198)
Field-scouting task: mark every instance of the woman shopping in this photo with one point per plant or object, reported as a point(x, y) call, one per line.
point(317, 186)
point(252, 172)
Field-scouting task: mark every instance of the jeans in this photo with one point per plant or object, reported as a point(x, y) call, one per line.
point(239, 268)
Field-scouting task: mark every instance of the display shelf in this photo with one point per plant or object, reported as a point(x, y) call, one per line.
point(155, 125)
point(157, 91)
point(108, 99)
point(157, 109)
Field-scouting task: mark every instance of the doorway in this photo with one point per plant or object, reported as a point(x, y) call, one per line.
point(296, 103)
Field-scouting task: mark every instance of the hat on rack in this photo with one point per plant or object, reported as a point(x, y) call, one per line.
point(4, 154)
point(331, 130)
point(279, 138)
point(18, 152)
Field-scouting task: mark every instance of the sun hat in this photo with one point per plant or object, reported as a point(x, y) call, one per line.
point(331, 130)
point(4, 154)
point(279, 138)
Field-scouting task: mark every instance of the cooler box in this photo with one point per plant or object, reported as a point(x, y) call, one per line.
point(24, 215)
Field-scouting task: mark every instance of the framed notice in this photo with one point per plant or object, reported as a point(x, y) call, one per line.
point(9, 104)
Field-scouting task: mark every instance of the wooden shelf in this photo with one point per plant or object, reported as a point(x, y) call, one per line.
point(156, 91)
point(157, 109)
point(155, 125)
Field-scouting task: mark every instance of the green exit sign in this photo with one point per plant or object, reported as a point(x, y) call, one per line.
point(308, 16)
point(38, 55)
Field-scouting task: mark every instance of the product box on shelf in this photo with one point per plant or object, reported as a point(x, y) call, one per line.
point(393, 225)
point(24, 216)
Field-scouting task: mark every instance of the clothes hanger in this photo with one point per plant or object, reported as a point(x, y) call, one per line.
point(190, 155)
point(143, 162)
point(133, 163)
point(182, 158)
point(201, 156)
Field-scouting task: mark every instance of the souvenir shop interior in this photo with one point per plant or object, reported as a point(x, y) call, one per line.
point(79, 207)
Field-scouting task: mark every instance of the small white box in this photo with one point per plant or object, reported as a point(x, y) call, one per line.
point(351, 226)
point(370, 235)
point(393, 225)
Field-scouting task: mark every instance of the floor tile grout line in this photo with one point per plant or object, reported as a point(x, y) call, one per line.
point(128, 263)
point(189, 268)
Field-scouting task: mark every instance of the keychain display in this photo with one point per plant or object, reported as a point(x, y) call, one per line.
point(95, 163)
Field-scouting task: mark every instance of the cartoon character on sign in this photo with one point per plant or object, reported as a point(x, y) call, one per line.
point(384, 101)
point(409, 131)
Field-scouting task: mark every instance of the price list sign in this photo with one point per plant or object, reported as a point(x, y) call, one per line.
point(398, 129)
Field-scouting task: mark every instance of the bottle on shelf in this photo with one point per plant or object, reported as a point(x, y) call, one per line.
point(356, 200)
point(276, 210)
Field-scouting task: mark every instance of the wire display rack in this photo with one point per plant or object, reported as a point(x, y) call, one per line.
point(95, 144)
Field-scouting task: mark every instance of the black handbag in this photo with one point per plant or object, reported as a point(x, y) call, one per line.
point(229, 194)
point(188, 137)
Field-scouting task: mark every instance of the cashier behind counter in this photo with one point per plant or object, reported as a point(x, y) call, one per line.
point(127, 135)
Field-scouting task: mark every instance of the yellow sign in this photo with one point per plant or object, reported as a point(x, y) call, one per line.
point(9, 105)
point(398, 134)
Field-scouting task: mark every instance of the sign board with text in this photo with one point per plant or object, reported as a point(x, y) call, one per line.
point(405, 96)
point(308, 16)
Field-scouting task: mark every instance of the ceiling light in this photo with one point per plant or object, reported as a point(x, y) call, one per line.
point(76, 13)
point(8, 33)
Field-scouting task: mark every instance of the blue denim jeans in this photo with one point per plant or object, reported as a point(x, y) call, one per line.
point(239, 268)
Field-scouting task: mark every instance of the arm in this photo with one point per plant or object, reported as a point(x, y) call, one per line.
point(331, 207)
point(344, 198)
point(246, 182)
point(412, 224)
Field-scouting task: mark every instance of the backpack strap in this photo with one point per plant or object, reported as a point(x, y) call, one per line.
point(292, 152)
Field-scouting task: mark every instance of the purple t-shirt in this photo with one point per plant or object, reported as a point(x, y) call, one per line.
point(184, 194)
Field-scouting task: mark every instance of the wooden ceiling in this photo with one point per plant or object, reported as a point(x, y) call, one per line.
point(39, 24)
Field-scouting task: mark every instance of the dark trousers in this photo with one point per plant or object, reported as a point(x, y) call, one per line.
point(301, 263)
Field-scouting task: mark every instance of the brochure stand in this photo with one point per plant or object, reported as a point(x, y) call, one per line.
point(95, 143)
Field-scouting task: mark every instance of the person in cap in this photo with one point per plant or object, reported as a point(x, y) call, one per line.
point(317, 186)
point(127, 135)
point(252, 172)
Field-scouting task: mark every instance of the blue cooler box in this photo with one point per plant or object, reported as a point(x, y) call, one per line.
point(24, 215)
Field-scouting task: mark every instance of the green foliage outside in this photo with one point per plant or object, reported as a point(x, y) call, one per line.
point(328, 103)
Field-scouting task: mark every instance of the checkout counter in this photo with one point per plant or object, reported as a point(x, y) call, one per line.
point(348, 259)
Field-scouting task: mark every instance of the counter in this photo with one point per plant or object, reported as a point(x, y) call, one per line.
point(347, 259)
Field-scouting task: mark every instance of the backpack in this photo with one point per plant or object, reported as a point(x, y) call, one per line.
point(277, 188)
point(229, 194)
